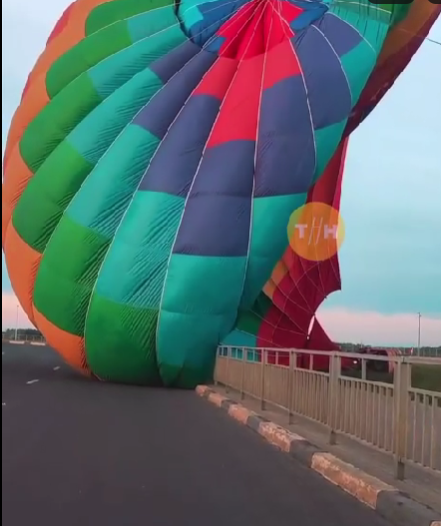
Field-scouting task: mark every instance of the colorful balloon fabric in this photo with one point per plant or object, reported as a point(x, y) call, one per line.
point(284, 313)
point(155, 159)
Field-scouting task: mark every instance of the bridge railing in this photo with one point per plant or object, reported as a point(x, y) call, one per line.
point(342, 392)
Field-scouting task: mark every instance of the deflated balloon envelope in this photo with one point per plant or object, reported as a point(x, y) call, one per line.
point(156, 157)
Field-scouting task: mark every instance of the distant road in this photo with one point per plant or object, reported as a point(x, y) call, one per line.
point(80, 453)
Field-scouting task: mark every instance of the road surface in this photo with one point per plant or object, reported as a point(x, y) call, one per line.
point(80, 453)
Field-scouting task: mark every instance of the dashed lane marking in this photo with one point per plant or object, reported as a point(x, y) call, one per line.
point(33, 381)
point(56, 368)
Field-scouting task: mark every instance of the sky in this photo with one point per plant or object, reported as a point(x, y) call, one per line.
point(391, 199)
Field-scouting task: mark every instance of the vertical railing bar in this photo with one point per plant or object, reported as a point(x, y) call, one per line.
point(292, 357)
point(423, 438)
point(227, 372)
point(402, 382)
point(242, 380)
point(432, 433)
point(262, 379)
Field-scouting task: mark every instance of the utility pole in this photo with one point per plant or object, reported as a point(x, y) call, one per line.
point(16, 325)
point(419, 333)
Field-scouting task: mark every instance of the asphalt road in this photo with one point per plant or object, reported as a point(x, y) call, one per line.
point(80, 453)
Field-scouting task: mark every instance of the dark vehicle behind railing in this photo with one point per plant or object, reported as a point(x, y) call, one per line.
point(377, 365)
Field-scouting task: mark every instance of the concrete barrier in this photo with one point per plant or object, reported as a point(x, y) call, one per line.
point(385, 499)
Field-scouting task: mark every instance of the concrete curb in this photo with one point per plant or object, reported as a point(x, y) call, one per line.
point(388, 501)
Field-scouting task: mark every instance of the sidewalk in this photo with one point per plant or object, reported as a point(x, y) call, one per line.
point(420, 484)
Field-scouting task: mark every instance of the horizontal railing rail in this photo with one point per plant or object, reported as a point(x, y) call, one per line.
point(368, 397)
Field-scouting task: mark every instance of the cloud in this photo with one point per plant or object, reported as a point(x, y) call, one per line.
point(9, 313)
point(373, 328)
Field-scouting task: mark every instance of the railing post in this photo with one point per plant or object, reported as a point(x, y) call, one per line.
point(292, 357)
point(334, 399)
point(402, 384)
point(242, 380)
point(216, 368)
point(363, 369)
point(227, 372)
point(262, 379)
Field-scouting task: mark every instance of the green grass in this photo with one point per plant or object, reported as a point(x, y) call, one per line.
point(426, 377)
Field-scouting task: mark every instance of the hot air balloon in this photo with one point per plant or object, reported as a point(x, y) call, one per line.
point(284, 315)
point(157, 155)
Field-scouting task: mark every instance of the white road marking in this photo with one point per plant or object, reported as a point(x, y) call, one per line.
point(32, 381)
point(3, 404)
point(56, 368)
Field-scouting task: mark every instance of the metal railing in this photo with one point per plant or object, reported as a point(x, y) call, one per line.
point(23, 337)
point(391, 415)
